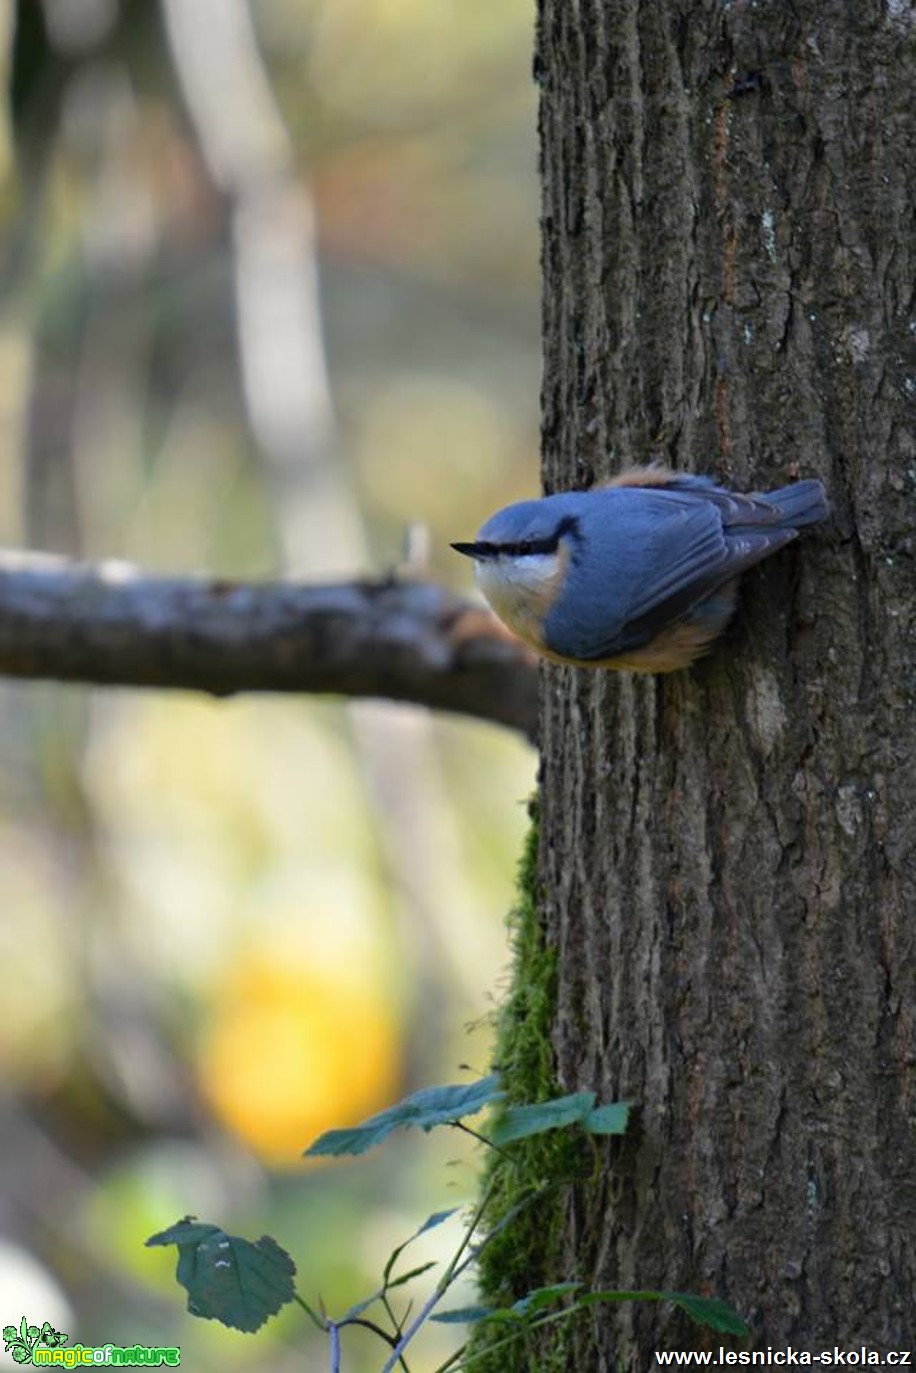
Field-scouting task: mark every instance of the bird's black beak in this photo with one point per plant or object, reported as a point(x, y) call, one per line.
point(478, 551)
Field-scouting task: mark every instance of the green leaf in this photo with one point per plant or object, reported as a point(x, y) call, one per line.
point(711, 1311)
point(353, 1311)
point(467, 1315)
point(437, 1218)
point(520, 1122)
point(414, 1273)
point(529, 1305)
point(608, 1120)
point(188, 1230)
point(540, 1297)
point(227, 1278)
point(427, 1108)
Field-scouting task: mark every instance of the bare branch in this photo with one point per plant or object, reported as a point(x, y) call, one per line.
point(404, 640)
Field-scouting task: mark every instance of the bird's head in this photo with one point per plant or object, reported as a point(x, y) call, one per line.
point(520, 557)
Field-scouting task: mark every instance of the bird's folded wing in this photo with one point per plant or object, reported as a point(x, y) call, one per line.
point(669, 565)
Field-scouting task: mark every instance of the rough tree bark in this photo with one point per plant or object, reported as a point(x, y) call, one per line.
point(726, 855)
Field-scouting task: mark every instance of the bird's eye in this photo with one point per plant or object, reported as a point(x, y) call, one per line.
point(530, 548)
point(533, 547)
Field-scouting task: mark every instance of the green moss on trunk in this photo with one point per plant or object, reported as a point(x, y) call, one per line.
point(527, 1253)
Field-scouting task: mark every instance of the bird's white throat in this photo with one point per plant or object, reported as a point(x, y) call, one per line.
point(521, 590)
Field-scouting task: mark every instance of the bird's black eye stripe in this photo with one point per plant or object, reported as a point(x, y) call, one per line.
point(529, 547)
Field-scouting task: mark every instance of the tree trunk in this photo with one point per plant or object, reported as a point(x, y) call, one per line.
point(726, 857)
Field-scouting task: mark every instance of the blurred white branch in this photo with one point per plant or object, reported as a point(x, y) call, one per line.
point(403, 640)
point(248, 151)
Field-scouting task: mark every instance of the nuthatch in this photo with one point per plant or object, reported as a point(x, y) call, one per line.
point(641, 574)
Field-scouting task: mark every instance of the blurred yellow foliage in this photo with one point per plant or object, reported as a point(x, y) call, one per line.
point(295, 1048)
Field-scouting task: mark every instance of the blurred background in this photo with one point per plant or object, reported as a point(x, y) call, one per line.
point(269, 296)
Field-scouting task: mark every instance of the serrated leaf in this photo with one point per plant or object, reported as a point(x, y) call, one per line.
point(608, 1120)
point(188, 1230)
point(426, 1109)
point(521, 1122)
point(710, 1311)
point(228, 1278)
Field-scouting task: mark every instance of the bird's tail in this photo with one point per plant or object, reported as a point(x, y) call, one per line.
point(798, 505)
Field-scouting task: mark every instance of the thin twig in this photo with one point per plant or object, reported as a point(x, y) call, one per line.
point(452, 1361)
point(390, 1340)
point(313, 1315)
point(525, 1329)
point(455, 1267)
point(389, 1310)
point(334, 1333)
point(481, 1139)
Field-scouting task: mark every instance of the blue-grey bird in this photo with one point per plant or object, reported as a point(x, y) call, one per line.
point(641, 574)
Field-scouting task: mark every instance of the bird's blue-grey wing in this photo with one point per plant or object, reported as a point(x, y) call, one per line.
point(649, 559)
